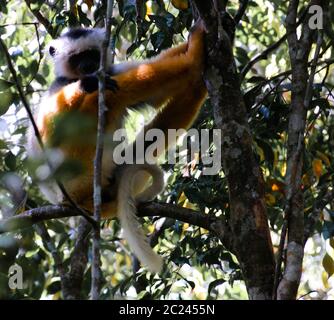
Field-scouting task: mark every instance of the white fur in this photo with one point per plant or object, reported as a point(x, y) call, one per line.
point(66, 46)
point(133, 232)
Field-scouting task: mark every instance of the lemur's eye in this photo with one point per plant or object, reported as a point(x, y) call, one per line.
point(52, 51)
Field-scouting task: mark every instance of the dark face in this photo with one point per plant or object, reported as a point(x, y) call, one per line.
point(85, 62)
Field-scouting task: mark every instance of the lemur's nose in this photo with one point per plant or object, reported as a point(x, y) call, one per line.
point(88, 68)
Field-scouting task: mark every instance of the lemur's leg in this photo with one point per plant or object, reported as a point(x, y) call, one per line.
point(179, 113)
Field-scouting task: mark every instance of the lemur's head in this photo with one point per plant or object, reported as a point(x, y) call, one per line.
point(76, 53)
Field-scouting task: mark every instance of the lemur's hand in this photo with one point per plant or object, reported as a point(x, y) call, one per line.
point(91, 84)
point(111, 84)
point(197, 28)
point(195, 40)
point(195, 51)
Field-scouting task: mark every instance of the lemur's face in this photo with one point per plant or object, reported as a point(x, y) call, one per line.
point(77, 53)
point(85, 62)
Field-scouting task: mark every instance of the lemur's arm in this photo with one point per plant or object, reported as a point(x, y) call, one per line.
point(162, 78)
point(183, 105)
point(126, 66)
point(155, 81)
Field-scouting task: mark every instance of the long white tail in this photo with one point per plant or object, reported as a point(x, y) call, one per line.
point(132, 229)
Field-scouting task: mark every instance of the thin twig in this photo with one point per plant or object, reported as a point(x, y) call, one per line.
point(19, 24)
point(40, 53)
point(274, 88)
point(286, 73)
point(302, 89)
point(96, 268)
point(306, 294)
point(263, 55)
point(241, 11)
point(41, 19)
point(20, 90)
point(49, 245)
point(309, 89)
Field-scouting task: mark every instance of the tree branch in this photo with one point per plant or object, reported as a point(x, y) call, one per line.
point(210, 223)
point(302, 89)
point(248, 221)
point(72, 281)
point(262, 56)
point(30, 217)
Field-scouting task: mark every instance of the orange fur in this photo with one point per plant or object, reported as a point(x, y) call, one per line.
point(172, 83)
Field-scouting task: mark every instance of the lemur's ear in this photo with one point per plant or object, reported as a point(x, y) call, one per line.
point(52, 51)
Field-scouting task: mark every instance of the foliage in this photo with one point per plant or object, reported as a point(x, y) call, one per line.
point(199, 267)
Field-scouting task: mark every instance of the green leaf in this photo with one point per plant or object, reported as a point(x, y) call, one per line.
point(3, 144)
point(267, 151)
point(54, 287)
point(166, 290)
point(256, 79)
point(191, 284)
point(328, 230)
point(158, 39)
point(251, 95)
point(4, 85)
point(33, 67)
point(214, 284)
point(8, 243)
point(5, 101)
point(242, 55)
point(328, 264)
point(129, 10)
point(40, 79)
point(125, 285)
point(132, 48)
point(159, 21)
point(10, 161)
point(15, 224)
point(24, 71)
